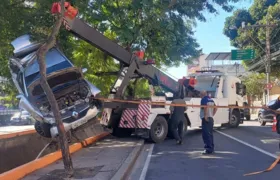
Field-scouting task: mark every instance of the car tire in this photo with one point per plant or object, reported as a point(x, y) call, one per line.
point(262, 123)
point(234, 119)
point(43, 129)
point(159, 130)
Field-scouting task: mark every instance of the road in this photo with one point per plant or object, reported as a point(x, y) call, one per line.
point(13, 129)
point(246, 149)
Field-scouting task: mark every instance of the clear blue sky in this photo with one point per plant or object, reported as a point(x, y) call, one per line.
point(210, 35)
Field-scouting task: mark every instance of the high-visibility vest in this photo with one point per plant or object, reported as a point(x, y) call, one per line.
point(192, 82)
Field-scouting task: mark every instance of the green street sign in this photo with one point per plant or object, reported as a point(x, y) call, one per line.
point(246, 54)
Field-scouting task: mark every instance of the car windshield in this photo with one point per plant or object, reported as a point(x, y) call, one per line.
point(54, 61)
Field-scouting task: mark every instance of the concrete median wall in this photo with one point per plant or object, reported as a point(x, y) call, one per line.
point(16, 151)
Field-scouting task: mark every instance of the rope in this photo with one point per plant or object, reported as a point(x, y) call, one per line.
point(183, 105)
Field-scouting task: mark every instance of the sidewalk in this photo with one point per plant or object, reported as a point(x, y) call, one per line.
point(100, 161)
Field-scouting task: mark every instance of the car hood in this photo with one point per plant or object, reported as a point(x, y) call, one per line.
point(56, 78)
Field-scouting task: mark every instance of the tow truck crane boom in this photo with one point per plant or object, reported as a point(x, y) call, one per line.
point(132, 65)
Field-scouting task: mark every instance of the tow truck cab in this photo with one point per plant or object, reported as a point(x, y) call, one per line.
point(225, 90)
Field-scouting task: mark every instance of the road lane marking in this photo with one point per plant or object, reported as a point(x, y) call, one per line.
point(147, 162)
point(247, 144)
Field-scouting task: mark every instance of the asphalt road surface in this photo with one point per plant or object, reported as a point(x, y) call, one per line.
point(239, 151)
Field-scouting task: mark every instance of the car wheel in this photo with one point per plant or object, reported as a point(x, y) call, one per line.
point(261, 121)
point(159, 130)
point(43, 129)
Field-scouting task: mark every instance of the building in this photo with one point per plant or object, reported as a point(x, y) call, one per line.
point(217, 61)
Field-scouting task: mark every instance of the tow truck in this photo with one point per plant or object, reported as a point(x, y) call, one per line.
point(146, 119)
point(152, 121)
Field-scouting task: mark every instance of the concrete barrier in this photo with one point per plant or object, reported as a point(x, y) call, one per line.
point(18, 150)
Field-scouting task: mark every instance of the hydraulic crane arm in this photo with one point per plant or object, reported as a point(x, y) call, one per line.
point(135, 66)
point(87, 33)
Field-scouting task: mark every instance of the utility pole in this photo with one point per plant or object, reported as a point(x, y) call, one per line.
point(268, 58)
point(268, 26)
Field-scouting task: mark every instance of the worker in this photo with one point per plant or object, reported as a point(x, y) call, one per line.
point(177, 118)
point(275, 106)
point(192, 82)
point(206, 114)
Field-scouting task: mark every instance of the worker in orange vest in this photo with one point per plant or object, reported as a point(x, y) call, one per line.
point(192, 81)
point(189, 84)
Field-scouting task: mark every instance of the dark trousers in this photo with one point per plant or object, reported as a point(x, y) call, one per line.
point(178, 130)
point(207, 134)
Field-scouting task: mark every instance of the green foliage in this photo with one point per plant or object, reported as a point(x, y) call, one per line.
point(166, 34)
point(234, 22)
point(255, 83)
point(86, 56)
point(261, 12)
point(9, 92)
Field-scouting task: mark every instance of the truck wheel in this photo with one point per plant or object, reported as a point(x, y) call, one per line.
point(159, 130)
point(121, 132)
point(234, 119)
point(43, 129)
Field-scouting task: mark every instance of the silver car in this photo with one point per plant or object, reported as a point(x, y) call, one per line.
point(74, 94)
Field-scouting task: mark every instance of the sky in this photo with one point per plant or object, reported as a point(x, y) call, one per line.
point(210, 35)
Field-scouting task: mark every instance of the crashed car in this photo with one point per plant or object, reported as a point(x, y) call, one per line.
point(74, 94)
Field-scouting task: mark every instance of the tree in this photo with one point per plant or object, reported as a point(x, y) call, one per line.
point(255, 83)
point(233, 23)
point(259, 13)
point(164, 29)
point(165, 34)
point(49, 93)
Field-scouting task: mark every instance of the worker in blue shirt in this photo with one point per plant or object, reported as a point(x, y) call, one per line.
point(276, 106)
point(206, 114)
